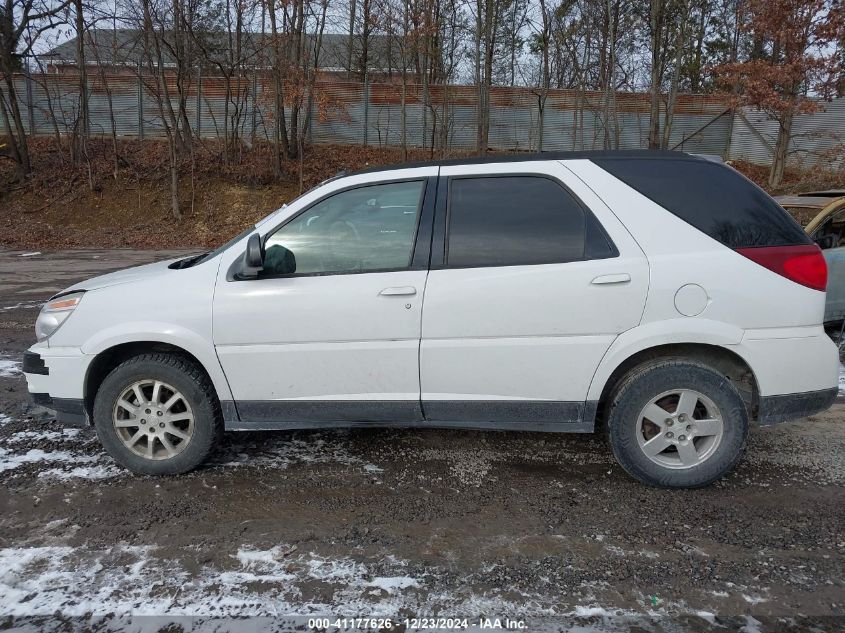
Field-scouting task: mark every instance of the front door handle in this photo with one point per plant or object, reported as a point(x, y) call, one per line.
point(619, 278)
point(398, 291)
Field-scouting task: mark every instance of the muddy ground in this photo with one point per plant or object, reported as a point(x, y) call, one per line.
point(544, 529)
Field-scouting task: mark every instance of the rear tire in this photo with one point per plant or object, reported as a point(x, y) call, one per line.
point(158, 414)
point(677, 423)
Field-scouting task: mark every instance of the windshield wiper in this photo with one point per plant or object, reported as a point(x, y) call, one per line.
point(188, 261)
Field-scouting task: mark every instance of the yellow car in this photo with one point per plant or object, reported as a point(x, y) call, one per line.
point(824, 214)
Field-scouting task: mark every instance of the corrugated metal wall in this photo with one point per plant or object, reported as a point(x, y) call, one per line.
point(818, 138)
point(354, 113)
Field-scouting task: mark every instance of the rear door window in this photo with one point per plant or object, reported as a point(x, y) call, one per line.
point(518, 220)
point(713, 198)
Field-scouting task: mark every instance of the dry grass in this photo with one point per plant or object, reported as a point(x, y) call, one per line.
point(58, 207)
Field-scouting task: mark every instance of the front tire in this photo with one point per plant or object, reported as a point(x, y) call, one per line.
point(675, 423)
point(158, 414)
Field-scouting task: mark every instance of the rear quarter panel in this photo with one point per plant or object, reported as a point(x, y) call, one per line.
point(742, 297)
point(740, 292)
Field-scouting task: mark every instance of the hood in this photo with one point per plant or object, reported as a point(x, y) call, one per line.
point(125, 276)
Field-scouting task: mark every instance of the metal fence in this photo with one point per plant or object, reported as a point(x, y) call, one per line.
point(371, 114)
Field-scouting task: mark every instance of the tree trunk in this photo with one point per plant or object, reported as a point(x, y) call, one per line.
point(404, 96)
point(351, 44)
point(79, 146)
point(781, 152)
point(610, 74)
point(280, 133)
point(656, 73)
point(695, 74)
point(489, 50)
point(479, 81)
point(676, 75)
point(174, 180)
point(14, 148)
point(18, 137)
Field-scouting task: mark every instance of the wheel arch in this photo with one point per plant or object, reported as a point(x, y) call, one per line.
point(730, 364)
point(109, 358)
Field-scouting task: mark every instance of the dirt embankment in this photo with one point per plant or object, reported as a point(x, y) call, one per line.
point(63, 205)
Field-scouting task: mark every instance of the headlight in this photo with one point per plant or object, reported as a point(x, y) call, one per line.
point(54, 313)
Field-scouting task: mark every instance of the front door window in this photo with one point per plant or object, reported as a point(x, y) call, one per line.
point(365, 229)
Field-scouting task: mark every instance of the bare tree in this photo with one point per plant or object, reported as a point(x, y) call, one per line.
point(296, 60)
point(156, 19)
point(95, 45)
point(81, 126)
point(22, 22)
point(679, 44)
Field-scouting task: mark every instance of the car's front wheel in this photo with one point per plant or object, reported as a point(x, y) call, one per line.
point(677, 423)
point(157, 414)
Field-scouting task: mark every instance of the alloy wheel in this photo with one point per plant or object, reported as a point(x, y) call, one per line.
point(680, 429)
point(153, 419)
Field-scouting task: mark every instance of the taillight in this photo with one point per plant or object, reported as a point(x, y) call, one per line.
point(802, 264)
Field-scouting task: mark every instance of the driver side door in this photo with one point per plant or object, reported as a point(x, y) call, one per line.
point(329, 331)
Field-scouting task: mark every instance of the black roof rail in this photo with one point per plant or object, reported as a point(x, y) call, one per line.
point(533, 156)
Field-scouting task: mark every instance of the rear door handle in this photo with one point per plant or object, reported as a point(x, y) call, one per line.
point(619, 278)
point(397, 291)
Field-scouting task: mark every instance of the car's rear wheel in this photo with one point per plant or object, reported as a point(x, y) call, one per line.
point(157, 414)
point(677, 423)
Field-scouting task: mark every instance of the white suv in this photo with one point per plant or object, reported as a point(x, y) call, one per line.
point(660, 297)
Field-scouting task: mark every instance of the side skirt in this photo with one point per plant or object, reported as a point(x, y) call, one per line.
point(498, 415)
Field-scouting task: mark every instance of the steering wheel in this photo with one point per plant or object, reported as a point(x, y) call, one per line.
point(341, 232)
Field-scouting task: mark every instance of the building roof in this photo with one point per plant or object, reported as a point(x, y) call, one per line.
point(125, 47)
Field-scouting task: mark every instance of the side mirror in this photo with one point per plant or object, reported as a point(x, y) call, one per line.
point(253, 256)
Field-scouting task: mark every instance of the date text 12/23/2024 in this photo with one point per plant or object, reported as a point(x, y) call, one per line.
point(414, 624)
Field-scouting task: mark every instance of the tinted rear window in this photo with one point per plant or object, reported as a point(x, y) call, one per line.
point(713, 198)
point(513, 220)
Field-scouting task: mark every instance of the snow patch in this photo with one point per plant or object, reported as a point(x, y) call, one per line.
point(127, 580)
point(28, 436)
point(134, 581)
point(392, 583)
point(10, 461)
point(751, 625)
point(593, 612)
point(94, 472)
point(706, 615)
point(754, 599)
point(63, 464)
point(8, 367)
point(285, 452)
point(32, 254)
point(22, 306)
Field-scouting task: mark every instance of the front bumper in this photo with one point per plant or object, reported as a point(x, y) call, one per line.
point(56, 382)
point(69, 411)
point(791, 406)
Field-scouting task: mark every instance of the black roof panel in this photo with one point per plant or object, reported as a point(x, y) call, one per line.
point(532, 156)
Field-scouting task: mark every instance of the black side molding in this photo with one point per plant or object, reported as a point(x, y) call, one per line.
point(501, 415)
point(315, 414)
point(528, 415)
point(34, 364)
point(791, 406)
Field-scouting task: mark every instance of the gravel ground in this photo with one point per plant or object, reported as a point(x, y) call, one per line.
point(543, 529)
